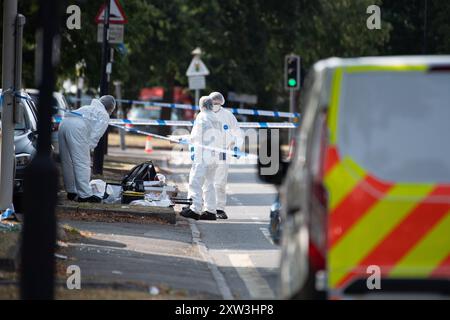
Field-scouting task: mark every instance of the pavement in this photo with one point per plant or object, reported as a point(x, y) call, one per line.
point(240, 247)
point(224, 259)
point(141, 256)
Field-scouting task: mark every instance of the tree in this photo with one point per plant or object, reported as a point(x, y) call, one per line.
point(244, 41)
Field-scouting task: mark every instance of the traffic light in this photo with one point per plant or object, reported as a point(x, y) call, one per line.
point(292, 72)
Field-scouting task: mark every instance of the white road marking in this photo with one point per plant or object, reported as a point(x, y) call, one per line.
point(235, 221)
point(266, 234)
point(217, 275)
point(256, 285)
point(236, 200)
point(249, 188)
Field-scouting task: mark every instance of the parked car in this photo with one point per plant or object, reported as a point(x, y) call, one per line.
point(61, 107)
point(25, 138)
point(141, 112)
point(365, 203)
point(275, 221)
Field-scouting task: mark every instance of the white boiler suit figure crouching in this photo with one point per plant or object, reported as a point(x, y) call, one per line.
point(79, 133)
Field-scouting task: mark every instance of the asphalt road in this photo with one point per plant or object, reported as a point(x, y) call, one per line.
point(239, 253)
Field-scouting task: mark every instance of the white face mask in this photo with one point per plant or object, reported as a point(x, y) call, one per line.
point(216, 108)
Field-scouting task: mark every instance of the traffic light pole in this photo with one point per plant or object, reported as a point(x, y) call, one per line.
point(291, 110)
point(291, 83)
point(99, 152)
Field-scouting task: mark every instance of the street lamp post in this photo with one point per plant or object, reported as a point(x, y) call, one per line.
point(41, 176)
point(7, 128)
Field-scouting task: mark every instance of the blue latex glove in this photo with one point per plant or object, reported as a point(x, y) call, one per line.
point(8, 214)
point(192, 151)
point(183, 141)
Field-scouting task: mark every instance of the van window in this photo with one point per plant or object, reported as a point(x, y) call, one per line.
point(396, 125)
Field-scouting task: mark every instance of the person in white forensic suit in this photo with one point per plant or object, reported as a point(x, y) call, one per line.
point(207, 137)
point(78, 134)
point(234, 141)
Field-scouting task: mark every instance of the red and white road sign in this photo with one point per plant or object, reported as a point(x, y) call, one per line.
point(116, 14)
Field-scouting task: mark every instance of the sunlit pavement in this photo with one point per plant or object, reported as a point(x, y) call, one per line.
point(240, 254)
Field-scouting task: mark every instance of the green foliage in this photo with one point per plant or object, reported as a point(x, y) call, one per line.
point(244, 41)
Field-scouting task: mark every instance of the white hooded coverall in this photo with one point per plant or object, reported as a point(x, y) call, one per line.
point(207, 131)
point(78, 135)
point(234, 138)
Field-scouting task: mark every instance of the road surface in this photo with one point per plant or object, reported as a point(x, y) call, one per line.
point(240, 255)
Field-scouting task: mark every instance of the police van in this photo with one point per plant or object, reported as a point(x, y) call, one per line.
point(366, 199)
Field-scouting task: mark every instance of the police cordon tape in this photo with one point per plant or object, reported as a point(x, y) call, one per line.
point(172, 123)
point(234, 153)
point(248, 112)
point(9, 91)
point(261, 125)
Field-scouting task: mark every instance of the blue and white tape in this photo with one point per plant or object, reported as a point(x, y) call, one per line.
point(10, 90)
point(260, 125)
point(235, 152)
point(121, 126)
point(249, 112)
point(172, 123)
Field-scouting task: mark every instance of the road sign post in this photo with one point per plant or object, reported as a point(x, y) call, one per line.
point(120, 113)
point(196, 72)
point(99, 152)
point(110, 15)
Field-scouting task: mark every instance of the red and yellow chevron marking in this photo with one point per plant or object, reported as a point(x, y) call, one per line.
point(402, 228)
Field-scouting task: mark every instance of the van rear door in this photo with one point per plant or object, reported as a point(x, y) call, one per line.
point(388, 174)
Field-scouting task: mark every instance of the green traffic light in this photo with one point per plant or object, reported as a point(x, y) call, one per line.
point(292, 82)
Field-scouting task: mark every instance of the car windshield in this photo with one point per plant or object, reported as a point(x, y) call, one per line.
point(23, 123)
point(396, 124)
point(58, 104)
point(54, 101)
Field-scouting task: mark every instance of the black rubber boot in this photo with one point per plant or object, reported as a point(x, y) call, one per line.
point(188, 213)
point(208, 216)
point(91, 199)
point(221, 215)
point(71, 196)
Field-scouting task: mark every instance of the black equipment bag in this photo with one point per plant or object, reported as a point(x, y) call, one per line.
point(134, 181)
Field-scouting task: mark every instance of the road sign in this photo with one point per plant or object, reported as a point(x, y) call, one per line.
point(197, 68)
point(197, 83)
point(116, 32)
point(116, 14)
